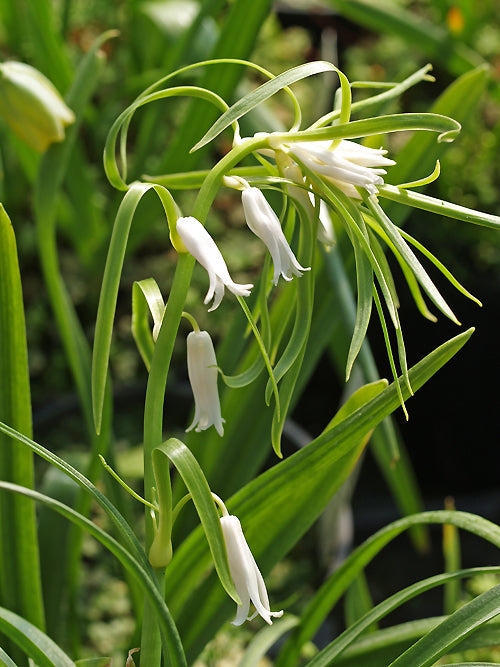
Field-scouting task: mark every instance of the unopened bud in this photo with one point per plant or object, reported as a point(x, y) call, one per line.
point(31, 106)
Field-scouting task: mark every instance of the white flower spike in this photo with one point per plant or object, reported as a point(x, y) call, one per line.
point(201, 245)
point(202, 371)
point(265, 224)
point(245, 574)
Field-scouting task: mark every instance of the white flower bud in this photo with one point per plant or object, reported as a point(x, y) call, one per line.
point(201, 245)
point(31, 105)
point(245, 574)
point(265, 224)
point(202, 371)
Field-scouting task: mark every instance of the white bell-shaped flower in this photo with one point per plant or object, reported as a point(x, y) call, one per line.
point(265, 224)
point(201, 245)
point(245, 574)
point(202, 371)
point(348, 165)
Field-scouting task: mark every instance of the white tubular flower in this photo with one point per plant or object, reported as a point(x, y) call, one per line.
point(31, 105)
point(265, 224)
point(245, 574)
point(202, 371)
point(326, 232)
point(348, 165)
point(201, 245)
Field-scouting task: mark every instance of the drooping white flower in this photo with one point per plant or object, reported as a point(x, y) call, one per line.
point(32, 106)
point(202, 371)
point(326, 232)
point(245, 574)
point(265, 224)
point(348, 165)
point(201, 245)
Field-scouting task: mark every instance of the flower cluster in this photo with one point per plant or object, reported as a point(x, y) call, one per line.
point(348, 165)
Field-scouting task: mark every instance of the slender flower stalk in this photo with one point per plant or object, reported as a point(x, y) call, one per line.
point(265, 224)
point(202, 247)
point(245, 574)
point(202, 371)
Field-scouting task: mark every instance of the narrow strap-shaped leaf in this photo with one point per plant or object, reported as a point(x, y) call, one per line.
point(304, 299)
point(127, 535)
point(455, 628)
point(265, 639)
point(20, 583)
point(388, 347)
point(146, 299)
point(411, 281)
point(352, 217)
point(33, 642)
point(421, 275)
point(245, 377)
point(290, 363)
point(331, 591)
point(439, 206)
point(142, 571)
point(395, 90)
point(196, 483)
point(262, 348)
point(109, 295)
point(119, 129)
point(276, 514)
point(448, 128)
point(237, 37)
point(382, 646)
point(264, 92)
point(440, 266)
point(5, 660)
point(355, 401)
point(328, 655)
point(364, 280)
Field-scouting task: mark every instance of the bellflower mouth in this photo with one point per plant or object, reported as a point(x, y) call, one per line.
point(265, 224)
point(202, 371)
point(245, 574)
point(202, 247)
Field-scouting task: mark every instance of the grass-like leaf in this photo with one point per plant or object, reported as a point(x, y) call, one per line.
point(32, 641)
point(20, 573)
point(264, 92)
point(196, 483)
point(109, 295)
point(142, 571)
point(282, 503)
point(327, 596)
point(146, 300)
point(452, 630)
point(329, 654)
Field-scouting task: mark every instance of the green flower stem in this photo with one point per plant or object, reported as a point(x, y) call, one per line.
point(212, 182)
point(153, 428)
point(194, 179)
